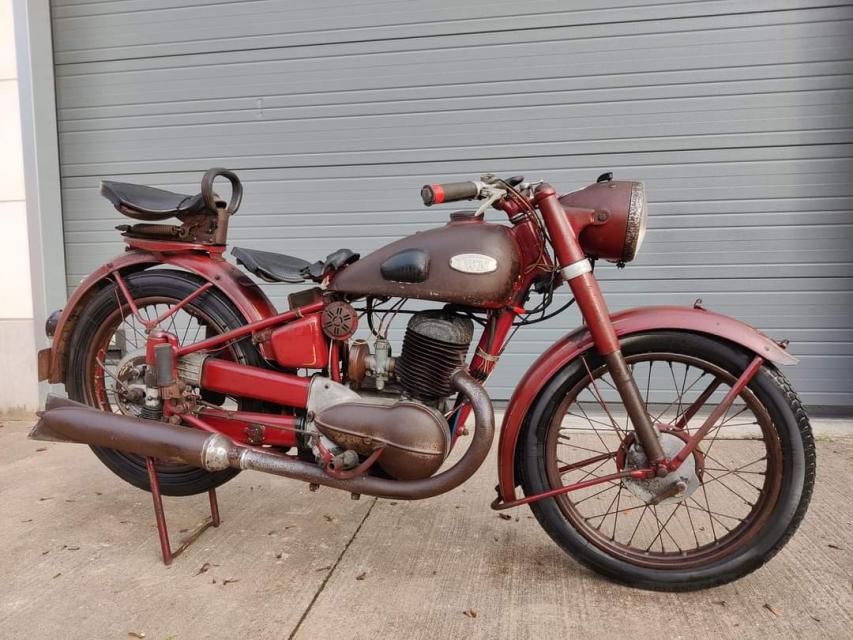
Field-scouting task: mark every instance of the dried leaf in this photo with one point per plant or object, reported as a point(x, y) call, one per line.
point(771, 609)
point(471, 613)
point(203, 569)
point(504, 516)
point(135, 634)
point(361, 576)
point(229, 581)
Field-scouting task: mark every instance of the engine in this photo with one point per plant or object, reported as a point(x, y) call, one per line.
point(393, 404)
point(435, 345)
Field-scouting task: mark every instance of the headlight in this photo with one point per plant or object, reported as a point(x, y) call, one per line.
point(621, 215)
point(638, 217)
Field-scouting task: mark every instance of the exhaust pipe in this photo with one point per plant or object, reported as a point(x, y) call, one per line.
point(68, 421)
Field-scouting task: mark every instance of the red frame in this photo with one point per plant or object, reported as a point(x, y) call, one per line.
point(602, 332)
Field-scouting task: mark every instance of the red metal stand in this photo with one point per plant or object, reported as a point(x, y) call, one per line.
point(165, 546)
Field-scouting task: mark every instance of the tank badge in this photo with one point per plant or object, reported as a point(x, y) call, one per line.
point(473, 263)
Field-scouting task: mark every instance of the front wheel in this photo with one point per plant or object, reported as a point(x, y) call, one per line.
point(742, 493)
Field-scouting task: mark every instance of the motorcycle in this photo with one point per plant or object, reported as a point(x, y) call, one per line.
point(660, 446)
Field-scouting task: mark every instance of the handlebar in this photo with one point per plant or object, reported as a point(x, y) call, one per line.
point(450, 192)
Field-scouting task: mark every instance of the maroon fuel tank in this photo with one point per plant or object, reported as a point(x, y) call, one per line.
point(471, 263)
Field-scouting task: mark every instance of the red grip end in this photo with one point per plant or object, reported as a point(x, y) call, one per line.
point(438, 192)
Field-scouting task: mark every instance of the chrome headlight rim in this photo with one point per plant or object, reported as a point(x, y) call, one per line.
point(635, 226)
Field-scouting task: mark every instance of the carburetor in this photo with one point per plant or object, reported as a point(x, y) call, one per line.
point(377, 366)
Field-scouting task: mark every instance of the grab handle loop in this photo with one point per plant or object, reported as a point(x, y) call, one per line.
point(210, 197)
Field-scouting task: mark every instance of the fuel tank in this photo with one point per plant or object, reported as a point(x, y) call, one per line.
point(470, 262)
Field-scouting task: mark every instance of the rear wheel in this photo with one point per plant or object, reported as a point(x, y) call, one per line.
point(741, 495)
point(108, 340)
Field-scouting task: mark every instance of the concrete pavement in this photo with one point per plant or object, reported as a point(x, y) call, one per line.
point(80, 559)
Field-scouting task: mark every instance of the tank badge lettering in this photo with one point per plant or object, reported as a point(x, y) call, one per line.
point(473, 263)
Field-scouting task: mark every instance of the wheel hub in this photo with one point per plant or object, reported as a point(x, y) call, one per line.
point(129, 384)
point(677, 485)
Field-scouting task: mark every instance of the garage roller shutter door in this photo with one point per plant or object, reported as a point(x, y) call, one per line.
point(739, 117)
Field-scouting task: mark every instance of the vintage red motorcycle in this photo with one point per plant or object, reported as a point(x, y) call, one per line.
point(661, 446)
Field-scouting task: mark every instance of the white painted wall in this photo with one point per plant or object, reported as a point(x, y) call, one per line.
point(18, 383)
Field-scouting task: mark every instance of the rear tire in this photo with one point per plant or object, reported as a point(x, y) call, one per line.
point(762, 537)
point(219, 316)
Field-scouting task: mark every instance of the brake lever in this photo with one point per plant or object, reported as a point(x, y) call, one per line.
point(493, 194)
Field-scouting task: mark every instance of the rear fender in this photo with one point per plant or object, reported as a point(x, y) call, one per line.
point(236, 285)
point(626, 323)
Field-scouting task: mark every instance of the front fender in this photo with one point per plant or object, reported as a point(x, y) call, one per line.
point(627, 322)
point(252, 303)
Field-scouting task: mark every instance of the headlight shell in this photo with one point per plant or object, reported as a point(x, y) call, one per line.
point(621, 215)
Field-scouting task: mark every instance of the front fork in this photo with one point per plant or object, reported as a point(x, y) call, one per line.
point(576, 269)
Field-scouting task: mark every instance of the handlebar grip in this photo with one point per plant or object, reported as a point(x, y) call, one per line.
point(449, 192)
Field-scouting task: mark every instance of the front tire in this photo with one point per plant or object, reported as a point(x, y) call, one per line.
point(103, 328)
point(767, 506)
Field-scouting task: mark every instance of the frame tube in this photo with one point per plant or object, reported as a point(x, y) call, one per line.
point(237, 379)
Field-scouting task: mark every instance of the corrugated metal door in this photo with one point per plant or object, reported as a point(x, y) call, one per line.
point(738, 115)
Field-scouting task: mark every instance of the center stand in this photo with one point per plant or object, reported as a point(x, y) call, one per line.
point(165, 546)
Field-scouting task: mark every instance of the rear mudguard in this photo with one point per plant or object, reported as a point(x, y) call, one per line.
point(626, 323)
point(237, 287)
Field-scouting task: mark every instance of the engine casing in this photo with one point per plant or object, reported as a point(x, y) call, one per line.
point(415, 438)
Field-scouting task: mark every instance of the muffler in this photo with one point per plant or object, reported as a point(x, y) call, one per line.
point(68, 421)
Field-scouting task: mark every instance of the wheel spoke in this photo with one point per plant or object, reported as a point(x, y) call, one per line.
point(693, 409)
point(565, 440)
point(590, 424)
point(612, 502)
point(662, 528)
point(642, 515)
point(598, 396)
point(577, 465)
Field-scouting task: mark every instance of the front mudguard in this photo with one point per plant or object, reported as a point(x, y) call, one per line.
point(252, 303)
point(625, 323)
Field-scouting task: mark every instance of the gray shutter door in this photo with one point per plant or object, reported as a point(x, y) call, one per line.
point(738, 116)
